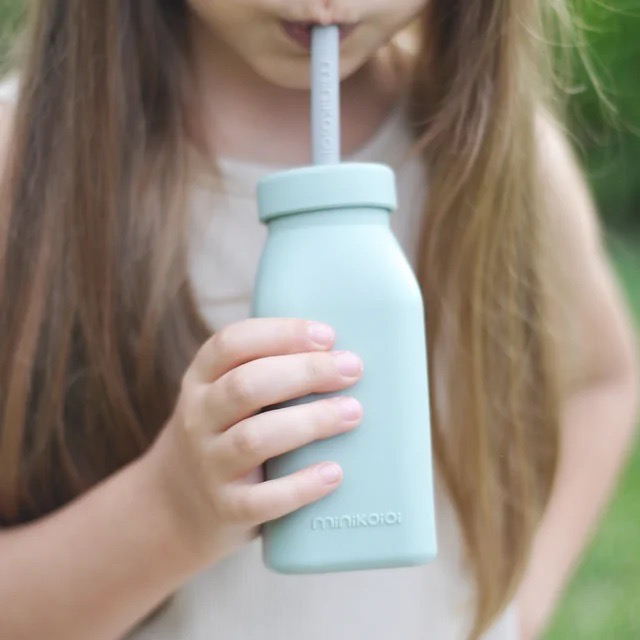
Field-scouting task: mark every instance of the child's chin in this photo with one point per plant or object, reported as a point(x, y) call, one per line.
point(285, 71)
point(294, 72)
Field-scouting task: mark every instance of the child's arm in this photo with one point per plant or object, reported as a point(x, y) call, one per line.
point(92, 569)
point(601, 378)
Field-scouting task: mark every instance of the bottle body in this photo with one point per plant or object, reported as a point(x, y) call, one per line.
point(344, 267)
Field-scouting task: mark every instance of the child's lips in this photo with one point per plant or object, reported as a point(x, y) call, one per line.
point(301, 31)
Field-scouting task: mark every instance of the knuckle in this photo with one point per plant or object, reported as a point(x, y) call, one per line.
point(296, 495)
point(328, 414)
point(292, 332)
point(226, 506)
point(317, 421)
point(247, 441)
point(318, 368)
point(223, 344)
point(239, 388)
point(240, 508)
point(298, 329)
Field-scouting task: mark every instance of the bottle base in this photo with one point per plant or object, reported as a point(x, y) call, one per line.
point(288, 567)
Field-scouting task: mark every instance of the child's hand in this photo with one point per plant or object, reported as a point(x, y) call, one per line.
point(208, 456)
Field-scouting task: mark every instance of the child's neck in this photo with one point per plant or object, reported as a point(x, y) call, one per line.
point(244, 114)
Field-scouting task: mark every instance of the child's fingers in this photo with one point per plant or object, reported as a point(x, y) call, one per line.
point(254, 338)
point(251, 442)
point(252, 505)
point(269, 381)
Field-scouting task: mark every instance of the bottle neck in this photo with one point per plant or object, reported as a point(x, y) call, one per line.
point(332, 217)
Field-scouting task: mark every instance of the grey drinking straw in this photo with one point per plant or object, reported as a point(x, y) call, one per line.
point(325, 94)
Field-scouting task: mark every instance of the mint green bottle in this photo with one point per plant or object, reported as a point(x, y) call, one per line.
point(331, 256)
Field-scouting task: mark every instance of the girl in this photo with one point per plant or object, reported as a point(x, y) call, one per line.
point(131, 440)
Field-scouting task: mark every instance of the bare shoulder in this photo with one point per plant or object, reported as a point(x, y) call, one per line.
point(565, 189)
point(591, 317)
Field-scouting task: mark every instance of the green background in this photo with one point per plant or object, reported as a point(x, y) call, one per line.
point(603, 600)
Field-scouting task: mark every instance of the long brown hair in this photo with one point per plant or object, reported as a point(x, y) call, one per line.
point(99, 321)
point(479, 89)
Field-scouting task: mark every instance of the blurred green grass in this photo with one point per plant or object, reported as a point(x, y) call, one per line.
point(603, 600)
point(11, 13)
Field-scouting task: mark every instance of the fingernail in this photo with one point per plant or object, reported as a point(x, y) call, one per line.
point(330, 472)
point(350, 409)
point(348, 363)
point(321, 334)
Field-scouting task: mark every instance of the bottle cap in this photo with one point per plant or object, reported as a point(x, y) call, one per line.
point(327, 186)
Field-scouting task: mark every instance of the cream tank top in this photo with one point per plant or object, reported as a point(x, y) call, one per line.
point(239, 598)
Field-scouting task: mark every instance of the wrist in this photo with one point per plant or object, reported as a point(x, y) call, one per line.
point(176, 501)
point(169, 516)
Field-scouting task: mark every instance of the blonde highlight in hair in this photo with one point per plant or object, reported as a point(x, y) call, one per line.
point(100, 322)
point(484, 248)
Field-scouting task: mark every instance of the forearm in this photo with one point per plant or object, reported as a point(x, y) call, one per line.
point(597, 429)
point(92, 569)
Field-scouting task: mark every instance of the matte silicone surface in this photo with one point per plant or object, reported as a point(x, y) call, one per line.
point(344, 266)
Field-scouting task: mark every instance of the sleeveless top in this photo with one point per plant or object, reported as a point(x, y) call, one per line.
point(238, 598)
